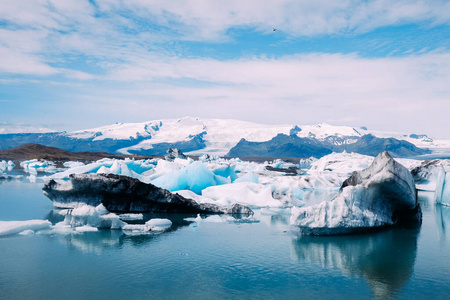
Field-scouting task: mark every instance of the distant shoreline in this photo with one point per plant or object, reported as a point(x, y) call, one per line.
point(37, 151)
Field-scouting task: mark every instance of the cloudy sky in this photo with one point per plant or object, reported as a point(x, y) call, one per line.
point(67, 65)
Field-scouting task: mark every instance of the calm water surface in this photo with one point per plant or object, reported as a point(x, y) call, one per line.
point(262, 260)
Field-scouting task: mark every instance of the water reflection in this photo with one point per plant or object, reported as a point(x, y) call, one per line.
point(97, 242)
point(93, 242)
point(426, 200)
point(385, 259)
point(442, 216)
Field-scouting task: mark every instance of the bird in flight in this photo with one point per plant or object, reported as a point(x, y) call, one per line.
point(274, 29)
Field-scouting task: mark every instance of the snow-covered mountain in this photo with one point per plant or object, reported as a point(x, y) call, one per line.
point(197, 136)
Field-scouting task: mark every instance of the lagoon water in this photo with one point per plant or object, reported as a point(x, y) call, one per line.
point(263, 260)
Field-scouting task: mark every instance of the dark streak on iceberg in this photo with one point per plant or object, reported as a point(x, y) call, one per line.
point(125, 194)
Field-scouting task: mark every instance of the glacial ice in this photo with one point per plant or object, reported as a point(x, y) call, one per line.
point(131, 217)
point(126, 194)
point(87, 218)
point(380, 195)
point(6, 165)
point(173, 153)
point(341, 163)
point(185, 174)
point(86, 228)
point(195, 177)
point(158, 224)
point(442, 195)
point(14, 227)
point(428, 174)
point(34, 166)
point(433, 175)
point(245, 193)
point(87, 215)
point(220, 219)
point(89, 168)
point(151, 225)
point(73, 164)
point(27, 232)
point(249, 177)
point(227, 171)
point(215, 180)
point(126, 167)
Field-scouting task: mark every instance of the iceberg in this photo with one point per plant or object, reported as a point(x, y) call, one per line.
point(249, 177)
point(6, 165)
point(173, 153)
point(429, 175)
point(158, 225)
point(125, 194)
point(86, 217)
point(131, 217)
point(244, 193)
point(442, 194)
point(73, 164)
point(35, 165)
point(126, 167)
point(195, 177)
point(384, 194)
point(343, 163)
point(86, 228)
point(14, 227)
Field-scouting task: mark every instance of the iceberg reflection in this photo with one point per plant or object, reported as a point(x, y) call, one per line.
point(385, 259)
point(443, 219)
point(98, 241)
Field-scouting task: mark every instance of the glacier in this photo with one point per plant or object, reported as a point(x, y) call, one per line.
point(196, 136)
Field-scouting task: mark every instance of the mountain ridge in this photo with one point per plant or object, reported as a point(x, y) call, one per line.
point(196, 136)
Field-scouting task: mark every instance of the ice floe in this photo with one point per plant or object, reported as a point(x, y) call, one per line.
point(91, 216)
point(131, 217)
point(152, 225)
point(14, 227)
point(34, 166)
point(6, 165)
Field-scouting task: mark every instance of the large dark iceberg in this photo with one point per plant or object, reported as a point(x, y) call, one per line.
point(382, 195)
point(125, 194)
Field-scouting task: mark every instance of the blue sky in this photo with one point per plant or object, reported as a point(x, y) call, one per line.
point(68, 65)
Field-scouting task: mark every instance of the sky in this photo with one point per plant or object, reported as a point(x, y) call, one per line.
point(68, 65)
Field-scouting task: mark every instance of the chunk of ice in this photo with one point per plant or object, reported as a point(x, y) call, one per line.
point(14, 227)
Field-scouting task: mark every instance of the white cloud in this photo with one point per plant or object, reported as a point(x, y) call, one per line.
point(301, 75)
point(22, 63)
point(210, 20)
point(134, 43)
point(22, 128)
point(39, 34)
point(383, 92)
